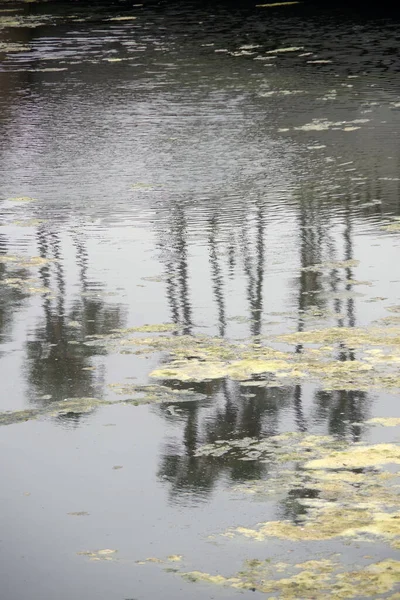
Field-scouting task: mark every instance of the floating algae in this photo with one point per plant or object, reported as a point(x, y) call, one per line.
point(18, 416)
point(105, 554)
point(54, 409)
point(141, 394)
point(14, 47)
point(345, 494)
point(153, 394)
point(277, 449)
point(395, 226)
point(385, 421)
point(200, 358)
point(349, 496)
point(358, 457)
point(326, 523)
point(343, 491)
point(73, 405)
point(317, 579)
point(319, 267)
point(157, 328)
point(152, 559)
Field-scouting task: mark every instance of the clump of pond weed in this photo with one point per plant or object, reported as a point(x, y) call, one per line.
point(316, 579)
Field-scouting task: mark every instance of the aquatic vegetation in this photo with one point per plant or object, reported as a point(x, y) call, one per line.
point(14, 47)
point(385, 421)
point(154, 278)
point(105, 554)
point(27, 286)
point(24, 261)
point(347, 493)
point(316, 579)
point(341, 264)
point(139, 394)
point(348, 497)
point(175, 557)
point(395, 309)
point(28, 222)
point(358, 457)
point(18, 416)
point(395, 226)
point(277, 449)
point(153, 394)
point(203, 358)
point(156, 328)
point(30, 21)
point(351, 497)
point(326, 523)
point(54, 409)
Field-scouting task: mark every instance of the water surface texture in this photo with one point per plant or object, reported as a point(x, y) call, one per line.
point(199, 301)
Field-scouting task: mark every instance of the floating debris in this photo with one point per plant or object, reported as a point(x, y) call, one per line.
point(106, 554)
point(317, 579)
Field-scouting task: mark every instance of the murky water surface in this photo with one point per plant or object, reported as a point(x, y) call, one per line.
point(229, 177)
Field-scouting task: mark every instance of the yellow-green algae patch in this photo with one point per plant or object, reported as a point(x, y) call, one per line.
point(385, 421)
point(352, 337)
point(24, 261)
point(349, 497)
point(316, 580)
point(140, 394)
point(345, 264)
point(327, 522)
point(27, 286)
point(155, 328)
point(347, 494)
point(395, 226)
point(104, 554)
point(198, 358)
point(358, 457)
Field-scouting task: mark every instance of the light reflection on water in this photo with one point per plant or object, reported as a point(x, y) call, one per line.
point(185, 185)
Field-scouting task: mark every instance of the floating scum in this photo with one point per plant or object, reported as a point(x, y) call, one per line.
point(372, 363)
point(355, 500)
point(372, 359)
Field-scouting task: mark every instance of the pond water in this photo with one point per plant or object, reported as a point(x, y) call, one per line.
point(199, 242)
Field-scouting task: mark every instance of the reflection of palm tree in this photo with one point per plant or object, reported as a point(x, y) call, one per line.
point(11, 297)
point(238, 411)
point(216, 276)
point(255, 272)
point(58, 361)
point(173, 246)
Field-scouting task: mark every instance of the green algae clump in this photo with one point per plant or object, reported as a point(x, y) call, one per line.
point(358, 457)
point(385, 421)
point(316, 580)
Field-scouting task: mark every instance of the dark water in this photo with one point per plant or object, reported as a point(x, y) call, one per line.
point(182, 172)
